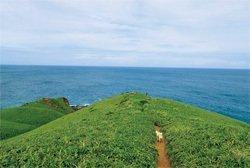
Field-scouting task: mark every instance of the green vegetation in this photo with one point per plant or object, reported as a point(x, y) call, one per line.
point(17, 120)
point(119, 132)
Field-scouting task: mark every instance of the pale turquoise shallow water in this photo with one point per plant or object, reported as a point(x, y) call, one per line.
point(224, 91)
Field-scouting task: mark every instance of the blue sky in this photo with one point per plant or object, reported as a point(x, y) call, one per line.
point(154, 33)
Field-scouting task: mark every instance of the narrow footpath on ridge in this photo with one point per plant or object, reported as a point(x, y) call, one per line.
point(163, 159)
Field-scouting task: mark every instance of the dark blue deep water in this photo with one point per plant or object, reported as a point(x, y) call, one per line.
point(220, 90)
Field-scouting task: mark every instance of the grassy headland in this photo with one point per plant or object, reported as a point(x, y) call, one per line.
point(119, 132)
point(17, 120)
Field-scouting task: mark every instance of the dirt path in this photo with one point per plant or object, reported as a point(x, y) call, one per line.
point(163, 159)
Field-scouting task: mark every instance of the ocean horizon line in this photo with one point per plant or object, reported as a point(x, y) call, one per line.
point(112, 66)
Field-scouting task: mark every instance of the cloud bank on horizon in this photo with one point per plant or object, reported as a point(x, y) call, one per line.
point(154, 33)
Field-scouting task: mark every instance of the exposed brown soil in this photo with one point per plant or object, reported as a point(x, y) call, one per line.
point(163, 159)
point(47, 101)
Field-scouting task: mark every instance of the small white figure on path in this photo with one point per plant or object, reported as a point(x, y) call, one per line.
point(159, 136)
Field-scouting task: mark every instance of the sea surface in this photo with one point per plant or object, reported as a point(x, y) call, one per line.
point(221, 90)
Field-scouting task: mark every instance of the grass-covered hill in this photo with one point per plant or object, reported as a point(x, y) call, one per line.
point(17, 120)
point(120, 132)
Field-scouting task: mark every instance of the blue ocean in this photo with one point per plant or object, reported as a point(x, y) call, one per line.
point(221, 90)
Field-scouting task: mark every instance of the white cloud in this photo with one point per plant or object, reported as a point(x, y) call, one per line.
point(128, 30)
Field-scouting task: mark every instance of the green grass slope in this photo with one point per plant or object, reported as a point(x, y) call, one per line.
point(17, 120)
point(119, 132)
